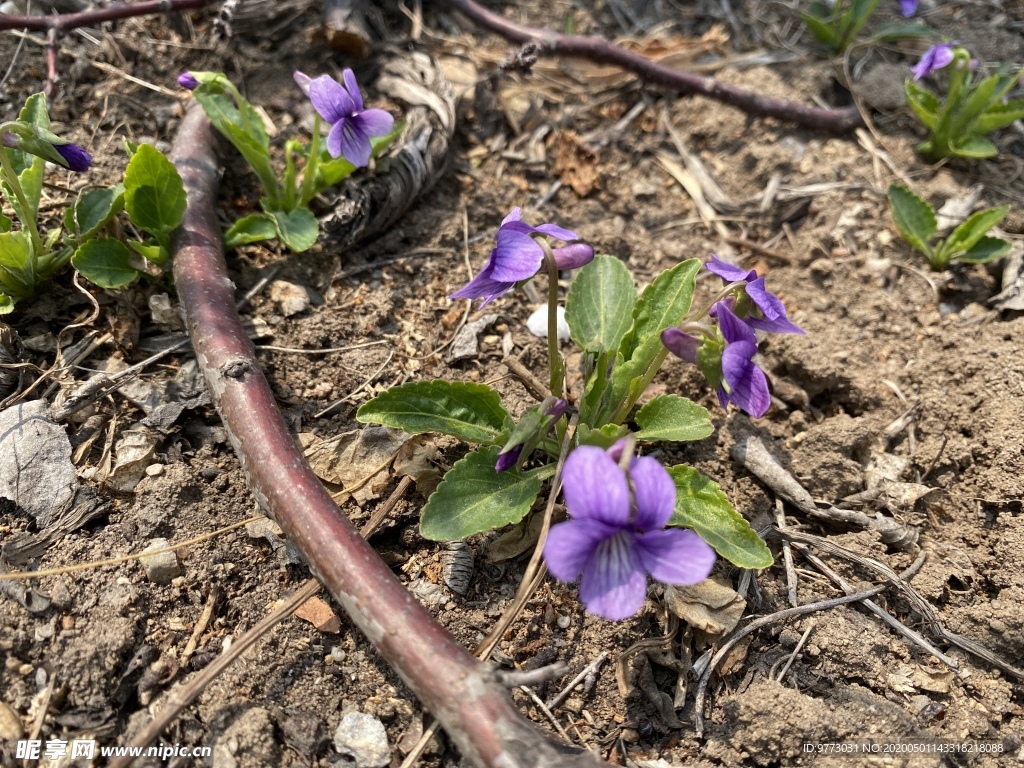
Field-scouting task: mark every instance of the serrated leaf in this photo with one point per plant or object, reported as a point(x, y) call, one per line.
point(223, 109)
point(605, 437)
point(106, 262)
point(701, 506)
point(473, 498)
point(153, 193)
point(976, 147)
point(978, 98)
point(253, 228)
point(914, 218)
point(220, 108)
point(924, 104)
point(673, 418)
point(470, 412)
point(297, 228)
point(972, 229)
point(600, 303)
point(92, 210)
point(985, 250)
point(999, 116)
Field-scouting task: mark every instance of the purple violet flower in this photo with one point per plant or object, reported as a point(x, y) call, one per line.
point(748, 387)
point(352, 127)
point(508, 459)
point(76, 157)
point(909, 7)
point(517, 256)
point(936, 57)
point(773, 311)
point(188, 81)
point(615, 541)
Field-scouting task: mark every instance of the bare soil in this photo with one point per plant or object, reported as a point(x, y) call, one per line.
point(884, 337)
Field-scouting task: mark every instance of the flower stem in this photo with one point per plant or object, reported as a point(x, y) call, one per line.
point(8, 174)
point(309, 172)
point(555, 365)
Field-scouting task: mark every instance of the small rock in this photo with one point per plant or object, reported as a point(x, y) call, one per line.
point(155, 470)
point(537, 323)
point(319, 614)
point(293, 299)
point(11, 729)
point(163, 567)
point(362, 737)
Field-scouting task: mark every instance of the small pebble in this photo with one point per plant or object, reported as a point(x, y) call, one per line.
point(163, 567)
point(11, 728)
point(155, 470)
point(363, 738)
point(25, 669)
point(564, 622)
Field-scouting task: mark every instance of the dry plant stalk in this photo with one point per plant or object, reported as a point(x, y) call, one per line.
point(474, 710)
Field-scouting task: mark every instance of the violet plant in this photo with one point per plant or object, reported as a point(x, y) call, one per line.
point(974, 104)
point(968, 243)
point(628, 515)
point(837, 23)
point(355, 135)
point(88, 236)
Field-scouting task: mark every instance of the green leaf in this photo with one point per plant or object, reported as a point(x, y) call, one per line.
point(473, 498)
point(985, 250)
point(17, 264)
point(35, 114)
point(105, 262)
point(701, 505)
point(253, 228)
point(600, 304)
point(6, 304)
point(662, 305)
point(605, 437)
point(470, 412)
point(673, 418)
point(821, 30)
point(153, 193)
point(999, 116)
point(5, 224)
point(977, 99)
point(899, 30)
point(223, 108)
point(153, 252)
point(92, 210)
point(973, 228)
point(297, 228)
point(914, 218)
point(975, 147)
point(226, 118)
point(924, 103)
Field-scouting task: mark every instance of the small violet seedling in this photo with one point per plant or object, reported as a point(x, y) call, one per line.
point(837, 24)
point(617, 534)
point(356, 134)
point(151, 193)
point(969, 243)
point(972, 107)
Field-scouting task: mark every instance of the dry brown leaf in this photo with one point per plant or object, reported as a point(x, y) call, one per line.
point(357, 460)
point(711, 606)
point(319, 614)
point(576, 164)
point(417, 459)
point(514, 542)
point(936, 680)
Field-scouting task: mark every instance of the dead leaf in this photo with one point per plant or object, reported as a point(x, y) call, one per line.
point(936, 680)
point(357, 461)
point(521, 538)
point(319, 614)
point(576, 163)
point(134, 453)
point(418, 459)
point(711, 606)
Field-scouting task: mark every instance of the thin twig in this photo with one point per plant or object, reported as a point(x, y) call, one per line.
point(65, 22)
point(590, 669)
point(601, 50)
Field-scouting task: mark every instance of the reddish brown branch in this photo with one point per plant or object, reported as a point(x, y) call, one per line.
point(605, 52)
point(475, 711)
point(65, 21)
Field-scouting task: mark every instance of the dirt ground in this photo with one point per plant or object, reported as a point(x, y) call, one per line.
point(885, 338)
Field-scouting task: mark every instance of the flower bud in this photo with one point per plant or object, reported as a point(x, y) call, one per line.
point(508, 459)
point(573, 256)
point(557, 409)
point(302, 80)
point(680, 344)
point(77, 158)
point(188, 81)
